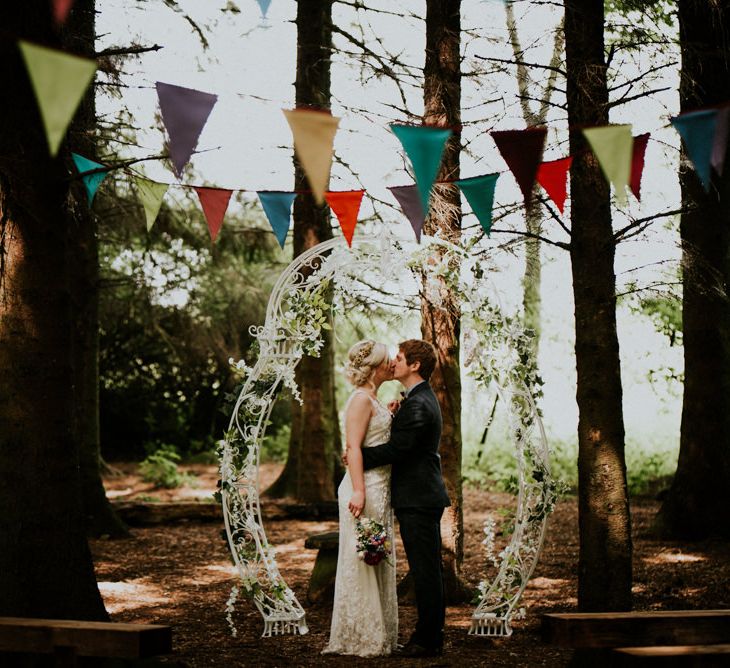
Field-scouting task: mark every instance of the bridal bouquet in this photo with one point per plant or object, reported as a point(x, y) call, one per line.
point(372, 541)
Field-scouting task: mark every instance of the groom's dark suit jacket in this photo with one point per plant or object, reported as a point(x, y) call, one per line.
point(416, 480)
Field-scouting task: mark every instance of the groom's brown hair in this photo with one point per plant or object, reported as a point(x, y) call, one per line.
point(418, 350)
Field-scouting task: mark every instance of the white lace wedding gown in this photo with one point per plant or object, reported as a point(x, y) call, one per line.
point(365, 612)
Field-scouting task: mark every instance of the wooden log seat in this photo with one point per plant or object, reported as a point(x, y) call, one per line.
point(322, 581)
point(68, 639)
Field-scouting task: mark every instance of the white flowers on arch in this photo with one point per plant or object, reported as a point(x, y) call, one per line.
point(495, 351)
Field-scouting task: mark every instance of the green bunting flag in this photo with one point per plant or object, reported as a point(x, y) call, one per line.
point(613, 147)
point(479, 192)
point(424, 147)
point(91, 180)
point(59, 81)
point(150, 194)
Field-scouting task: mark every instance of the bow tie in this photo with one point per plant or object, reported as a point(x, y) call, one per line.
point(404, 395)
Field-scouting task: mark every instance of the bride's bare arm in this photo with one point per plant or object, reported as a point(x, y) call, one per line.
point(356, 425)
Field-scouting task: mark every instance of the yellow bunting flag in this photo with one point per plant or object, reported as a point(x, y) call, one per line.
point(150, 193)
point(613, 146)
point(314, 136)
point(59, 81)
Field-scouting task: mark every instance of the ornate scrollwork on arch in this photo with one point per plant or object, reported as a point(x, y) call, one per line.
point(496, 352)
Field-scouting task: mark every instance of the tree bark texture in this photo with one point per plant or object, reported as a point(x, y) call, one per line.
point(79, 35)
point(441, 324)
point(313, 466)
point(604, 578)
point(698, 502)
point(45, 564)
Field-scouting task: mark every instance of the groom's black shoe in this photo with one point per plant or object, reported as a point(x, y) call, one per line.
point(414, 650)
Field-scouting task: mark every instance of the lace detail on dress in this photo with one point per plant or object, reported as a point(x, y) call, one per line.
point(365, 611)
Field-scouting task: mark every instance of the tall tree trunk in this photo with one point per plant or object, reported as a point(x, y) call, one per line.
point(604, 578)
point(440, 326)
point(698, 502)
point(45, 563)
point(313, 463)
point(532, 278)
point(79, 36)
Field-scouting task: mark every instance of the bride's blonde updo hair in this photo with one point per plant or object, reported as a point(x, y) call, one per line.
point(362, 360)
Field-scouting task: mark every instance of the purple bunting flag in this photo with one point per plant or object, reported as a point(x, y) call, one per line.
point(184, 113)
point(410, 202)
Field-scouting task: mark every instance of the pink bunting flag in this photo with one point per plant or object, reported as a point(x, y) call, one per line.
point(184, 113)
point(61, 8)
point(637, 163)
point(346, 206)
point(553, 177)
point(214, 202)
point(522, 151)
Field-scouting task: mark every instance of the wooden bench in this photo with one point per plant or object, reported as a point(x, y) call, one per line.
point(322, 581)
point(667, 637)
point(68, 639)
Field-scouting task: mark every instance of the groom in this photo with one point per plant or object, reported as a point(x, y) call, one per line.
point(417, 489)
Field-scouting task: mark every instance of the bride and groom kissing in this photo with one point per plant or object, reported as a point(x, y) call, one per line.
point(393, 466)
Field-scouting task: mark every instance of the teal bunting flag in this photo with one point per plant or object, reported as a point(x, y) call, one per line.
point(277, 207)
point(697, 129)
point(479, 192)
point(424, 147)
point(91, 181)
point(264, 7)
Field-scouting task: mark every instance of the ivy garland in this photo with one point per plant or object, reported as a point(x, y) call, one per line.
point(496, 352)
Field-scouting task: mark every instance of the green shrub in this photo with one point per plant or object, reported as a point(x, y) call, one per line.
point(160, 468)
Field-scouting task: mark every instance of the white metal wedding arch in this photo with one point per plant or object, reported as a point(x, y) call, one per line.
point(495, 351)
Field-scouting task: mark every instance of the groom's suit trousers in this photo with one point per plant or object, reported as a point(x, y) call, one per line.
point(420, 530)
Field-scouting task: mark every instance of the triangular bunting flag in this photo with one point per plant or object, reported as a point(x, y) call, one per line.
point(479, 192)
point(410, 202)
point(613, 147)
point(553, 177)
point(91, 181)
point(214, 202)
point(719, 144)
point(150, 193)
point(184, 113)
point(424, 147)
point(61, 9)
point(637, 163)
point(697, 129)
point(59, 82)
point(314, 136)
point(277, 207)
point(264, 6)
point(346, 206)
point(522, 151)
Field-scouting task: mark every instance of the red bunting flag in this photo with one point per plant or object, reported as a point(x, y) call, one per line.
point(553, 177)
point(637, 164)
point(346, 206)
point(214, 202)
point(522, 151)
point(61, 9)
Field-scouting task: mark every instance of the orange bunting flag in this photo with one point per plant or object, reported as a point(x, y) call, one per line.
point(214, 202)
point(553, 177)
point(346, 206)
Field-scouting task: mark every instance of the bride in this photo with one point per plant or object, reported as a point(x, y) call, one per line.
point(365, 612)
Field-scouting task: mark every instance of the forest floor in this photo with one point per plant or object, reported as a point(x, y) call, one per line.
point(180, 574)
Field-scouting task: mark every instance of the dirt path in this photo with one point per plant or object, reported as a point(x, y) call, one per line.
point(181, 575)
